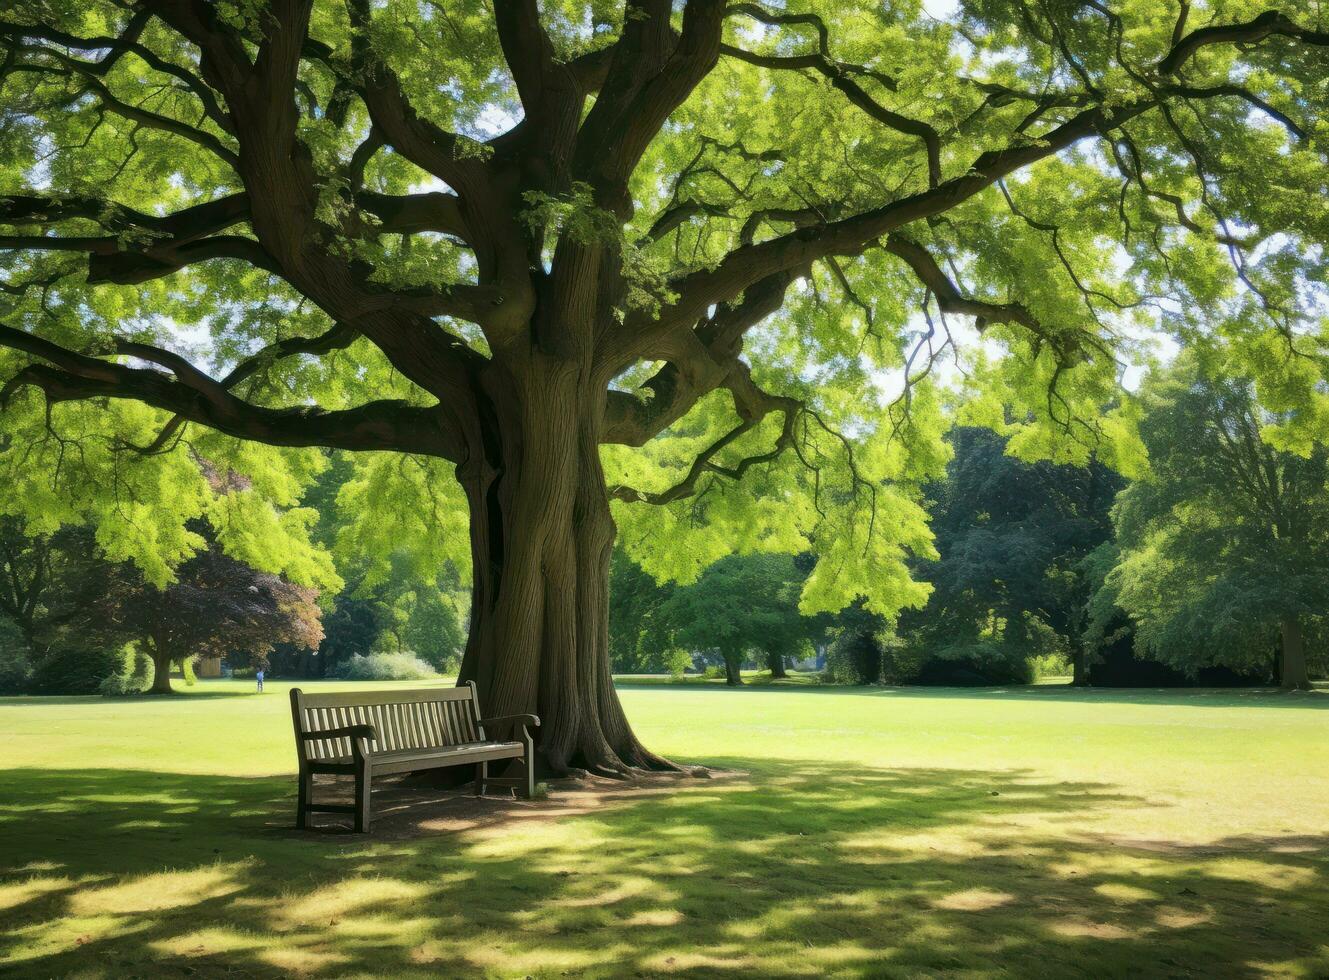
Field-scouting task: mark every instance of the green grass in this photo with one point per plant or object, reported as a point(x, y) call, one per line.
point(1024, 832)
point(796, 678)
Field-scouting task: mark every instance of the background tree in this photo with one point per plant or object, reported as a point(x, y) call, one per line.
point(397, 597)
point(1225, 547)
point(512, 244)
point(26, 574)
point(1010, 536)
point(740, 607)
point(858, 640)
point(640, 641)
point(216, 607)
point(40, 577)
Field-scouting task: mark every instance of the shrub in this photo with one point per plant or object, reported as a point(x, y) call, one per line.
point(976, 663)
point(853, 658)
point(860, 657)
point(385, 667)
point(1051, 665)
point(133, 677)
point(73, 671)
point(676, 662)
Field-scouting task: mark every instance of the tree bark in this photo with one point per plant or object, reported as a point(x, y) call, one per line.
point(161, 673)
point(1079, 667)
point(776, 663)
point(1293, 675)
point(541, 538)
point(733, 669)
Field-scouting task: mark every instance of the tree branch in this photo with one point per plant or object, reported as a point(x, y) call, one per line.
point(1268, 24)
point(748, 264)
point(949, 297)
point(752, 405)
point(195, 397)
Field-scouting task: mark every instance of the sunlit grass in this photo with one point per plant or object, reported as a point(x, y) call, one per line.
point(1020, 832)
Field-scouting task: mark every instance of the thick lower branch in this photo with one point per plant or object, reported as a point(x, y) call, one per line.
point(375, 425)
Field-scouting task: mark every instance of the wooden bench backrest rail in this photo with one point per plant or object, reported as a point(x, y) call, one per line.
point(420, 719)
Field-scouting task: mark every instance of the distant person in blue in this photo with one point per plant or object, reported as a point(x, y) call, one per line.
point(258, 676)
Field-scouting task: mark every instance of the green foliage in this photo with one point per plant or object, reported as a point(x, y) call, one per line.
point(433, 629)
point(676, 662)
point(404, 558)
point(1227, 540)
point(404, 517)
point(853, 658)
point(402, 666)
point(133, 676)
point(861, 515)
point(1204, 222)
point(141, 507)
point(743, 605)
point(640, 641)
point(1009, 583)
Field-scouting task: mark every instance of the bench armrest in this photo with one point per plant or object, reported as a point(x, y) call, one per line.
point(350, 731)
point(529, 721)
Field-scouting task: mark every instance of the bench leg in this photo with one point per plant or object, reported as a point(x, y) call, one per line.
point(530, 771)
point(302, 795)
point(362, 786)
point(481, 774)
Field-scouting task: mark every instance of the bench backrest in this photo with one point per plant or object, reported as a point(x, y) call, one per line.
point(402, 719)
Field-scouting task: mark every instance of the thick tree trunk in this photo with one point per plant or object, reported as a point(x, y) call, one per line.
point(733, 669)
point(1079, 667)
point(776, 663)
point(541, 537)
point(161, 674)
point(1293, 675)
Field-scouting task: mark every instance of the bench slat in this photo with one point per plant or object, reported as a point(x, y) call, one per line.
point(337, 699)
point(314, 723)
point(427, 718)
point(403, 726)
point(403, 712)
point(411, 762)
point(420, 713)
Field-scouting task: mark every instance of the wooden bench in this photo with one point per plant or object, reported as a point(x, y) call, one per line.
point(368, 733)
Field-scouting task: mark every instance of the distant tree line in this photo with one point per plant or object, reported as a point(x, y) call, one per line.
point(1211, 569)
point(70, 617)
point(71, 612)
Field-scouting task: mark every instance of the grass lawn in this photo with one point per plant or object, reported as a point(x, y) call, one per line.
point(1029, 832)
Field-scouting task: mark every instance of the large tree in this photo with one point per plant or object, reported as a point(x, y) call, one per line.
point(1225, 546)
point(515, 241)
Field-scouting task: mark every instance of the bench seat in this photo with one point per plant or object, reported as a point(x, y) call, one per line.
point(411, 760)
point(385, 732)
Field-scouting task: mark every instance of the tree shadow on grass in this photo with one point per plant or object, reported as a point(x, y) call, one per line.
point(798, 870)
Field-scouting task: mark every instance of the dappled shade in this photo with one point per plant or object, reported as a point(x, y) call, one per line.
point(790, 870)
